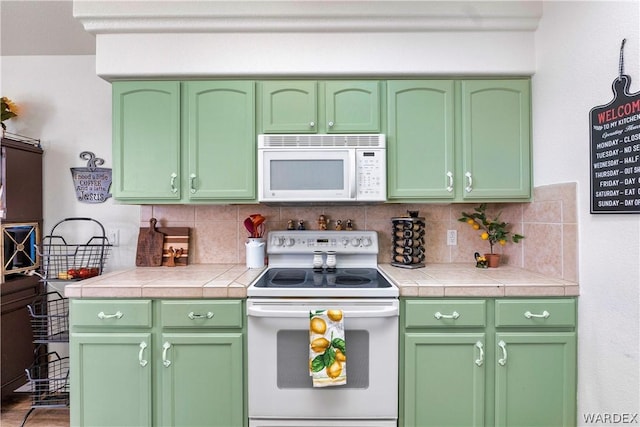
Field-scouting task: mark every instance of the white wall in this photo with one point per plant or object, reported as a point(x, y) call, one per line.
point(577, 48)
point(64, 104)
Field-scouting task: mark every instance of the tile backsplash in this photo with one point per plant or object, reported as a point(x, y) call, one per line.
point(549, 225)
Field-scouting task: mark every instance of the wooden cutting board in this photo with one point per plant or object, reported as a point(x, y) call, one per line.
point(176, 239)
point(150, 242)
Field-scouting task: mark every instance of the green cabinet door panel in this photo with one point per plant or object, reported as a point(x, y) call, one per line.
point(289, 107)
point(110, 379)
point(420, 140)
point(352, 106)
point(202, 379)
point(146, 140)
point(444, 379)
point(535, 379)
point(496, 134)
point(220, 135)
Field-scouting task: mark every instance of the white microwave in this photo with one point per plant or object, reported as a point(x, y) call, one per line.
point(322, 168)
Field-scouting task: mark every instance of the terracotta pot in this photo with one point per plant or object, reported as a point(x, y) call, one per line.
point(493, 260)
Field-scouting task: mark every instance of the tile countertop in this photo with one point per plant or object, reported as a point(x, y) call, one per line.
point(232, 280)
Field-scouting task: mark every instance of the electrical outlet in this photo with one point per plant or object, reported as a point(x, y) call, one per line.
point(114, 237)
point(452, 237)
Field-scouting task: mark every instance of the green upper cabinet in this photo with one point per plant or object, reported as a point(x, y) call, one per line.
point(420, 139)
point(352, 106)
point(289, 107)
point(219, 119)
point(184, 142)
point(458, 140)
point(146, 141)
point(308, 106)
point(495, 139)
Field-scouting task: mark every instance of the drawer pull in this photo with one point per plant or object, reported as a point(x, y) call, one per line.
point(545, 314)
point(142, 361)
point(165, 348)
point(193, 315)
point(480, 347)
point(453, 315)
point(503, 346)
point(117, 315)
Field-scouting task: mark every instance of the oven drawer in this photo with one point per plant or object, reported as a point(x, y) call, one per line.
point(536, 312)
point(111, 313)
point(445, 313)
point(201, 314)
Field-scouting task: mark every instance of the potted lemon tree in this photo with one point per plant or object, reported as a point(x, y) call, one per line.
point(493, 230)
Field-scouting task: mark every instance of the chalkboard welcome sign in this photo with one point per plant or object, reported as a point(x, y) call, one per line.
point(615, 150)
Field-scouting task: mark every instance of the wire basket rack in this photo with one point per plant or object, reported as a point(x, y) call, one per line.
point(62, 260)
point(49, 318)
point(49, 381)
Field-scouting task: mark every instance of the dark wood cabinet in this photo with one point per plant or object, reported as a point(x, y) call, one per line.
point(21, 202)
point(21, 181)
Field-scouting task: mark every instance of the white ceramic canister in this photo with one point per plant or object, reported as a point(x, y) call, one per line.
point(255, 252)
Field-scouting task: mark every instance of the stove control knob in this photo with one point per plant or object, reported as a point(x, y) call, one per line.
point(355, 242)
point(345, 241)
point(290, 241)
point(278, 241)
point(366, 241)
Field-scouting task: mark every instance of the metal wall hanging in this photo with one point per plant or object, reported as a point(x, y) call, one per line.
point(615, 149)
point(91, 183)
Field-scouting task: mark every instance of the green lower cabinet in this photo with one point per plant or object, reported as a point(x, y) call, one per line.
point(111, 379)
point(511, 366)
point(175, 363)
point(454, 393)
point(202, 379)
point(536, 370)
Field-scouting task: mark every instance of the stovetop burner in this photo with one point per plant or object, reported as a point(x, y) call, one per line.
point(292, 255)
point(300, 278)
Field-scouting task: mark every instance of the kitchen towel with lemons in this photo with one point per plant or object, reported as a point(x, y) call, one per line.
point(327, 352)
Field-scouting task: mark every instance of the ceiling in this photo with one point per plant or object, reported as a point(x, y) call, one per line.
point(42, 27)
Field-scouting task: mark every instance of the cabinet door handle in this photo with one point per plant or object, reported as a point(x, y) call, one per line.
point(450, 186)
point(117, 315)
point(480, 360)
point(331, 124)
point(312, 124)
point(143, 362)
point(469, 186)
point(503, 361)
point(165, 348)
point(453, 315)
point(192, 183)
point(174, 189)
point(545, 314)
point(193, 315)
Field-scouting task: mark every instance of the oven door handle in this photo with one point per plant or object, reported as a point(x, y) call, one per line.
point(262, 311)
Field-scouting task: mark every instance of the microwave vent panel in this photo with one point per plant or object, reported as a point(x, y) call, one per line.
point(322, 141)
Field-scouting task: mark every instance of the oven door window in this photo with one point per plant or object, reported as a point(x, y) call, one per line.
point(293, 355)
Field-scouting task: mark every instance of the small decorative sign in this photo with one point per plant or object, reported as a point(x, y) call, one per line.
point(615, 150)
point(91, 183)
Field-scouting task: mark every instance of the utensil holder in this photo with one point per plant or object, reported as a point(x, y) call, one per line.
point(255, 252)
